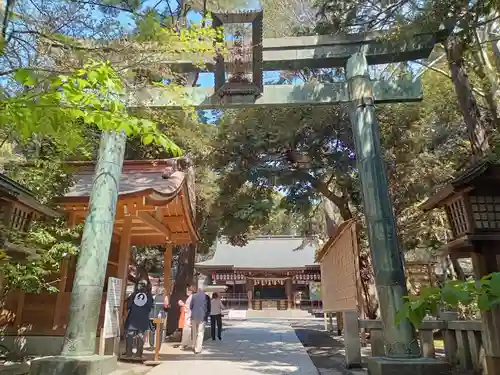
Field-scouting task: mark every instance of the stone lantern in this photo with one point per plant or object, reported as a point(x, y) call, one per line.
point(472, 205)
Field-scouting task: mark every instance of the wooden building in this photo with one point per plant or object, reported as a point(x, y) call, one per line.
point(18, 209)
point(269, 272)
point(156, 206)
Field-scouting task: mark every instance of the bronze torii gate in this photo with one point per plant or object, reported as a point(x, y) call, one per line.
point(355, 53)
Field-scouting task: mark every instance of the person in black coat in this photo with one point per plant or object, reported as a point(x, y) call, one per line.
point(140, 304)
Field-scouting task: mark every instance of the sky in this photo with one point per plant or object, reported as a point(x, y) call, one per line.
point(204, 79)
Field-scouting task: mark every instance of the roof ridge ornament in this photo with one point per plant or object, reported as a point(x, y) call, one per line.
point(182, 164)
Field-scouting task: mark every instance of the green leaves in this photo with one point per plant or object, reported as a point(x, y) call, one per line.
point(53, 243)
point(61, 106)
point(25, 77)
point(454, 293)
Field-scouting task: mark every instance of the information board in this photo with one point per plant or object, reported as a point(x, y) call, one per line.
point(315, 291)
point(112, 312)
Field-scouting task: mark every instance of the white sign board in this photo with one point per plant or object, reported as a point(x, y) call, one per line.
point(237, 314)
point(112, 312)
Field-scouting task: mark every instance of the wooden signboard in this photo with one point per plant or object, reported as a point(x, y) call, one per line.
point(339, 260)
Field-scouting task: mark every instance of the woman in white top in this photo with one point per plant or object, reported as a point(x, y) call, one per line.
point(216, 308)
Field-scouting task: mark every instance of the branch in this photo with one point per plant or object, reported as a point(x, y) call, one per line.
point(322, 187)
point(446, 74)
point(109, 6)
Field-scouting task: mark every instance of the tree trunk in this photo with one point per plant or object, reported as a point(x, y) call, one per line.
point(183, 278)
point(466, 99)
point(331, 216)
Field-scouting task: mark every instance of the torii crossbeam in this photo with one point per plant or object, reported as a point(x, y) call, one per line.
point(292, 53)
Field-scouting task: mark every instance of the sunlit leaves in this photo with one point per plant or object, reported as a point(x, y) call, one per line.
point(485, 292)
point(59, 106)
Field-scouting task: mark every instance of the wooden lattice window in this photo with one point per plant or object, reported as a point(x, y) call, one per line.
point(3, 210)
point(19, 219)
point(486, 211)
point(457, 216)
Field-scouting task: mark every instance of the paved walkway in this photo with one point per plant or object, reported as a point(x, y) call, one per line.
point(247, 348)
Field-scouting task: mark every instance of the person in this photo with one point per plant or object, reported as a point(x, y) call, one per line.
point(185, 320)
point(216, 308)
point(139, 305)
point(199, 315)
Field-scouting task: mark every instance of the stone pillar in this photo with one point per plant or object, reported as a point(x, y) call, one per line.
point(485, 263)
point(352, 342)
point(80, 340)
point(400, 340)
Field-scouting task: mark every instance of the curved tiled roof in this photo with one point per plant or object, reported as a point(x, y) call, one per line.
point(266, 252)
point(140, 177)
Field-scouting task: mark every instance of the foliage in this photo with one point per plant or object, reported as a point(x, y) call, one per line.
point(45, 178)
point(307, 153)
point(53, 243)
point(77, 71)
point(88, 96)
point(485, 292)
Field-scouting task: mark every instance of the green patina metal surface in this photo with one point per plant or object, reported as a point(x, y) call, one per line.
point(278, 95)
point(329, 51)
point(80, 339)
point(400, 340)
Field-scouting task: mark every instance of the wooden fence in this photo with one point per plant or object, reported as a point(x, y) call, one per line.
point(38, 314)
point(462, 341)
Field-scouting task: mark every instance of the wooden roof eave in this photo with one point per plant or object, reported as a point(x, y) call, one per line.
point(20, 194)
point(159, 199)
point(27, 253)
point(191, 222)
point(484, 169)
point(250, 269)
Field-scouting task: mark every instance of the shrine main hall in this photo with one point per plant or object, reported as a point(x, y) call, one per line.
point(270, 272)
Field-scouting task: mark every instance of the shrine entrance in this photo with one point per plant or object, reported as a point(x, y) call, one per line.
point(239, 83)
point(273, 292)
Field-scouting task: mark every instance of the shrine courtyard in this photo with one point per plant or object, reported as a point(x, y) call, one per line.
point(247, 348)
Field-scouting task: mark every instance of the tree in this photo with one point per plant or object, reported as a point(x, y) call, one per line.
point(308, 154)
point(62, 83)
point(471, 29)
point(53, 241)
point(65, 65)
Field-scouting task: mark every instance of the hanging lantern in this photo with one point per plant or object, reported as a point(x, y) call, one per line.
point(244, 81)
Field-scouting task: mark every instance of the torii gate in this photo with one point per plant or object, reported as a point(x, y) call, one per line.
point(355, 53)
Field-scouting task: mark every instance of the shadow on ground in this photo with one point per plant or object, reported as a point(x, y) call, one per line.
point(325, 351)
point(252, 348)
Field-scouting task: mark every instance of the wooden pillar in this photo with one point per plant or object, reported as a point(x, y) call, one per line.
point(340, 323)
point(60, 312)
point(485, 263)
point(289, 294)
point(250, 293)
point(167, 268)
point(124, 260)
